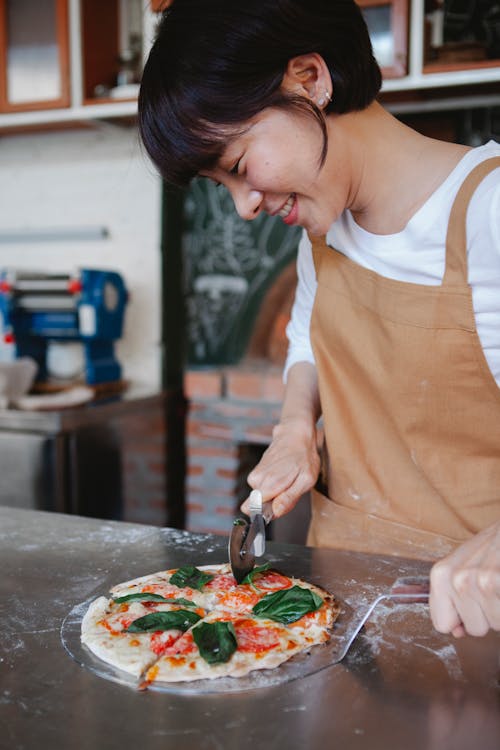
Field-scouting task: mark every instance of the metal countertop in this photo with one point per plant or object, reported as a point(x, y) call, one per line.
point(402, 685)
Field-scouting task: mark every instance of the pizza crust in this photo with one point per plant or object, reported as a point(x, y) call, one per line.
point(125, 651)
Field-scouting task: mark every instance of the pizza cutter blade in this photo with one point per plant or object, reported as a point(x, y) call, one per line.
point(248, 539)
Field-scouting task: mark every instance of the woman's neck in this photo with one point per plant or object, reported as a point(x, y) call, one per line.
point(393, 169)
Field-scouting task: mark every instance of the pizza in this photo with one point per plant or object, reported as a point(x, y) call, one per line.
point(195, 623)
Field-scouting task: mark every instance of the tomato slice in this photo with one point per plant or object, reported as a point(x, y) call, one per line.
point(222, 582)
point(271, 580)
point(255, 638)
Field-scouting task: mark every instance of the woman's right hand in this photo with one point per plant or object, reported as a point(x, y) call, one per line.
point(288, 468)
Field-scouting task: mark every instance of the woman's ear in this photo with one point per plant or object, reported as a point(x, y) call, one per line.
point(308, 75)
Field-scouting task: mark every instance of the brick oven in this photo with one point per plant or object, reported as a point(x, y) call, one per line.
point(231, 412)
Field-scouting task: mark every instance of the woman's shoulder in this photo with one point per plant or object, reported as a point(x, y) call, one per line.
point(437, 207)
point(483, 216)
point(490, 184)
point(476, 156)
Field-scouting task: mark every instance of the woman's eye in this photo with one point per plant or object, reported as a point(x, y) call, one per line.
point(235, 169)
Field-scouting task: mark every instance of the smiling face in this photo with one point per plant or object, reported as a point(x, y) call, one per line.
point(274, 166)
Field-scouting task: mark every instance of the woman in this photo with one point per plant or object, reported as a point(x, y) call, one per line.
point(395, 332)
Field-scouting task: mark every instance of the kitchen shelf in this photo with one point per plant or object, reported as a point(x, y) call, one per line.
point(410, 73)
point(422, 75)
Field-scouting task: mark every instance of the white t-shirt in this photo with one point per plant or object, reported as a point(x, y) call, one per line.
point(417, 255)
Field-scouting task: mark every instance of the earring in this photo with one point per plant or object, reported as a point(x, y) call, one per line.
point(324, 99)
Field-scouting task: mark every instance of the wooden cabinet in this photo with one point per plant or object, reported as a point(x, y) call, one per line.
point(64, 60)
point(112, 49)
point(415, 46)
point(387, 22)
point(34, 61)
point(461, 35)
point(158, 5)
point(434, 43)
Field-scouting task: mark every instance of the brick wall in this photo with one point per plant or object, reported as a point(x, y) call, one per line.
point(143, 443)
point(231, 410)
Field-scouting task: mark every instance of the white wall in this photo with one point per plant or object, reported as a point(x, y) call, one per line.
point(90, 177)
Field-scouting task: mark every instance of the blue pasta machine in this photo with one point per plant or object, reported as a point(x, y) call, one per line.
point(88, 306)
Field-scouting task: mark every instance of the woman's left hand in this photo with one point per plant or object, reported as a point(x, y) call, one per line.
point(465, 586)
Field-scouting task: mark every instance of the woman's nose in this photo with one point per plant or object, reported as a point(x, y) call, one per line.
point(247, 201)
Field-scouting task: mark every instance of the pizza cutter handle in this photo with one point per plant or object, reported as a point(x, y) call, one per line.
point(258, 519)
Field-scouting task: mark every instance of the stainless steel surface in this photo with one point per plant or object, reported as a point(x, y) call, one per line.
point(402, 685)
point(402, 591)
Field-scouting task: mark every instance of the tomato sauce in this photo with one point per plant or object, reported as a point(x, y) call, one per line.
point(160, 641)
point(124, 622)
point(184, 645)
point(242, 599)
point(169, 591)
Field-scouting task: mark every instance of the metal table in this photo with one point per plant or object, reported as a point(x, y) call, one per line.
point(402, 685)
point(71, 460)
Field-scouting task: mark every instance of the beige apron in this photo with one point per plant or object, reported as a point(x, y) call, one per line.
point(411, 410)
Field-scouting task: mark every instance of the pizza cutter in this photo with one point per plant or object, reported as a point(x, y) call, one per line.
point(248, 539)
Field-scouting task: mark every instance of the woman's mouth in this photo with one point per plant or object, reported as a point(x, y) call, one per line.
point(289, 210)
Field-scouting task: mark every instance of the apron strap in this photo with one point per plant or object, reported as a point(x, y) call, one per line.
point(319, 247)
point(456, 238)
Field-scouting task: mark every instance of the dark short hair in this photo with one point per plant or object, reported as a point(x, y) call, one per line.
point(220, 62)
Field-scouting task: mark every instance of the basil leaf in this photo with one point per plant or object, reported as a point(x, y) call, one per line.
point(216, 641)
point(258, 569)
point(177, 619)
point(191, 577)
point(144, 596)
point(288, 605)
point(141, 596)
point(184, 602)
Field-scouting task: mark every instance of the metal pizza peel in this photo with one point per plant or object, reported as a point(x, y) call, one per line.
point(406, 590)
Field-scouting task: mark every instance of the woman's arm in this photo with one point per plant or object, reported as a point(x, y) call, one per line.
point(465, 586)
point(290, 466)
